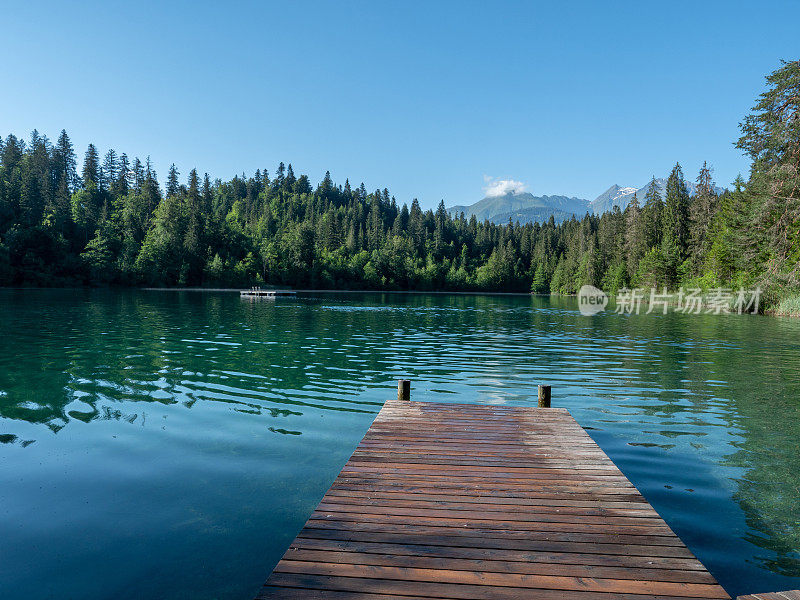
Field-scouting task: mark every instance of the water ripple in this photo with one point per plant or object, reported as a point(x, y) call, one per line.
point(136, 427)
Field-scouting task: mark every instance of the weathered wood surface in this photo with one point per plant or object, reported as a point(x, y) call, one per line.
point(497, 503)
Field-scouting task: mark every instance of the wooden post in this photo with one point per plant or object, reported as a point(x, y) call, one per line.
point(404, 389)
point(544, 396)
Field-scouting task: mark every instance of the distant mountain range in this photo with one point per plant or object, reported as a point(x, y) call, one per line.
point(523, 207)
point(622, 196)
point(527, 208)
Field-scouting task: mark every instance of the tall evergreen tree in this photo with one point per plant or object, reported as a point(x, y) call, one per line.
point(121, 183)
point(12, 152)
point(676, 213)
point(701, 213)
point(91, 168)
point(194, 242)
point(771, 137)
point(60, 207)
point(635, 238)
point(173, 185)
point(31, 201)
point(65, 164)
point(138, 175)
point(109, 170)
point(652, 215)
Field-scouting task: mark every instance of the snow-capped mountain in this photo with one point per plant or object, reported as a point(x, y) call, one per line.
point(524, 207)
point(621, 196)
point(615, 195)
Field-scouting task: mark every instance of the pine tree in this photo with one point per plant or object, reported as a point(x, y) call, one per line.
point(676, 213)
point(110, 170)
point(173, 185)
point(121, 185)
point(727, 234)
point(138, 175)
point(193, 242)
point(325, 187)
point(280, 176)
point(416, 227)
point(652, 214)
point(290, 179)
point(375, 226)
point(207, 194)
point(65, 164)
point(12, 152)
point(397, 226)
point(539, 284)
point(635, 239)
point(701, 213)
point(675, 237)
point(31, 201)
point(302, 185)
point(61, 209)
point(771, 137)
point(91, 168)
point(40, 157)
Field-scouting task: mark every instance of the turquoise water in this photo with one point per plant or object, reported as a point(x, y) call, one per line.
point(172, 444)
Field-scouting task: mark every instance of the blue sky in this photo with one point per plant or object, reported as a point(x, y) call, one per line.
point(425, 98)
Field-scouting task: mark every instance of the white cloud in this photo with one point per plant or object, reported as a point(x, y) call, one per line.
point(500, 187)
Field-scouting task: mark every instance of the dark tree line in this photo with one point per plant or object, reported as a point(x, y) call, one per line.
point(113, 223)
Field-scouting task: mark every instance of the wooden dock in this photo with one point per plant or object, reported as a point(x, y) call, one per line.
point(464, 501)
point(259, 293)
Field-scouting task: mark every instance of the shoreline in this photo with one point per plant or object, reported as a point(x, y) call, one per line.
point(770, 312)
point(773, 311)
point(362, 291)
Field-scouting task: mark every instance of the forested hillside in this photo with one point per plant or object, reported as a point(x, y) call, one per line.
point(112, 222)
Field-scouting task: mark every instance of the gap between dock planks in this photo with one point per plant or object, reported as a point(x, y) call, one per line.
point(469, 501)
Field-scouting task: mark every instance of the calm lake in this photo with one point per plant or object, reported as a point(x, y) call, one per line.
point(172, 444)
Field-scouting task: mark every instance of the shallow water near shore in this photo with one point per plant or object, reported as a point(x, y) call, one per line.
point(172, 444)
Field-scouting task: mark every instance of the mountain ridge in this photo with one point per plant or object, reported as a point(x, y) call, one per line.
point(622, 196)
point(527, 208)
point(498, 209)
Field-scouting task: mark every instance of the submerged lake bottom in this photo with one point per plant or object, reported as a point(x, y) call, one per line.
point(172, 444)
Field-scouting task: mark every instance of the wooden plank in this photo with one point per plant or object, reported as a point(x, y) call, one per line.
point(500, 542)
point(548, 531)
point(464, 501)
point(456, 591)
point(536, 556)
point(498, 566)
point(503, 579)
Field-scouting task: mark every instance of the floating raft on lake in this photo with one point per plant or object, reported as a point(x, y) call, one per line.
point(259, 293)
point(463, 501)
